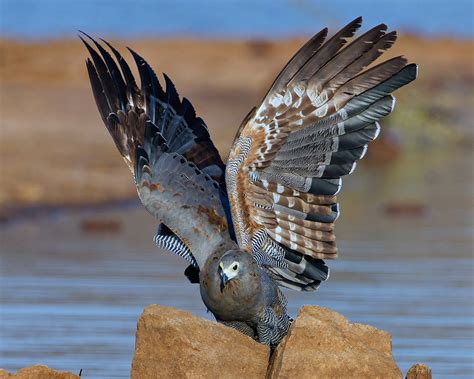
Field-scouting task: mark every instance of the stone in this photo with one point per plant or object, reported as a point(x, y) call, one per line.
point(419, 371)
point(175, 344)
point(38, 372)
point(324, 344)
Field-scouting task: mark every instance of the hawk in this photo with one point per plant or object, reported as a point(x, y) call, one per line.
point(266, 218)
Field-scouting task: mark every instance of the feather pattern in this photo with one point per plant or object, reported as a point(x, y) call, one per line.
point(169, 151)
point(290, 153)
point(277, 197)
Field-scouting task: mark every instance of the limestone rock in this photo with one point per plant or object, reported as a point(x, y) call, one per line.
point(324, 344)
point(419, 371)
point(37, 372)
point(175, 344)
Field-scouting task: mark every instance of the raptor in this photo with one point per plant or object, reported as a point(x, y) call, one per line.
point(266, 218)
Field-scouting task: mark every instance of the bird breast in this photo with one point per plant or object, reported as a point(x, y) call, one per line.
point(240, 300)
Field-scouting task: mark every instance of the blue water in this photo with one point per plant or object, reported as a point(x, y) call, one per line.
point(227, 18)
point(71, 299)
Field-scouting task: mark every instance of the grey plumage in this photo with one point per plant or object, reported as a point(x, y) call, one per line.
point(179, 176)
point(267, 218)
point(251, 297)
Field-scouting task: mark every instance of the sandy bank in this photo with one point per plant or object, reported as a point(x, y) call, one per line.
point(54, 149)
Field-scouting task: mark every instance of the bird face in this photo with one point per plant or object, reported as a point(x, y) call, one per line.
point(227, 273)
point(229, 268)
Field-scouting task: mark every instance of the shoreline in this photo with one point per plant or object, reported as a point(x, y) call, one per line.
point(55, 153)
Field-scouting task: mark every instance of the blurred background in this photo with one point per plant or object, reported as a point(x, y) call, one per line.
point(77, 260)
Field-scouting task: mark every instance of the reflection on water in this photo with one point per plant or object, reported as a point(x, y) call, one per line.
point(71, 299)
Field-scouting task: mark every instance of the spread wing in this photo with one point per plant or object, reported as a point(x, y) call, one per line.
point(287, 160)
point(177, 170)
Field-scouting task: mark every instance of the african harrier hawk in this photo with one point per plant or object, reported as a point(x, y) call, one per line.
point(267, 217)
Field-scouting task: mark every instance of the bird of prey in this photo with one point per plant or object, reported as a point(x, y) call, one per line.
point(266, 218)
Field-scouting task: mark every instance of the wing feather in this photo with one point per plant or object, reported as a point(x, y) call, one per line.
point(177, 169)
point(314, 124)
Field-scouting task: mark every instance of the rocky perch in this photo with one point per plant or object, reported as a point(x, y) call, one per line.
point(321, 344)
point(38, 372)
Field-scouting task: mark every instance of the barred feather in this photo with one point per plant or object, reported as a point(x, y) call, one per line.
point(169, 151)
point(175, 246)
point(312, 127)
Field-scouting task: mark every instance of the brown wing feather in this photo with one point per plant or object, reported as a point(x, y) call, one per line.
point(285, 166)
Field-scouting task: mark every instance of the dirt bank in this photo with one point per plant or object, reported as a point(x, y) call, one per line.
point(54, 149)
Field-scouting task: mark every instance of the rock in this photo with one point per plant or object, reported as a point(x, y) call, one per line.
point(173, 343)
point(324, 344)
point(38, 372)
point(321, 344)
point(419, 371)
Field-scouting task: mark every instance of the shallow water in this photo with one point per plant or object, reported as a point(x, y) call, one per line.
point(71, 299)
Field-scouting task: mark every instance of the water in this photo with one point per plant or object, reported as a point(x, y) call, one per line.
point(71, 299)
point(230, 18)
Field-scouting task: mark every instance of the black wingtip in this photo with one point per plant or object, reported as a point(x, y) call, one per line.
point(383, 27)
point(357, 23)
point(393, 34)
point(135, 55)
point(172, 93)
point(139, 60)
point(118, 56)
point(89, 47)
point(413, 69)
point(354, 24)
point(109, 45)
point(94, 41)
point(322, 34)
point(87, 35)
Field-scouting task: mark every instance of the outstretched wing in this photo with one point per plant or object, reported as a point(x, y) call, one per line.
point(285, 167)
point(177, 170)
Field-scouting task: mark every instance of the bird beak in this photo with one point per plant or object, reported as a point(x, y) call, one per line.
point(224, 279)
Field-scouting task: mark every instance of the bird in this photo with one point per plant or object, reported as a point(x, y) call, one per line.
point(265, 219)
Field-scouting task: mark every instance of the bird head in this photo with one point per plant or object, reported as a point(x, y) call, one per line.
point(231, 265)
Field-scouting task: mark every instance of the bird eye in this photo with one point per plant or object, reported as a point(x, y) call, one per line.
point(235, 267)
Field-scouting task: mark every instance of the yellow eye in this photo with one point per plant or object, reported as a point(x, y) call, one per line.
point(221, 265)
point(235, 266)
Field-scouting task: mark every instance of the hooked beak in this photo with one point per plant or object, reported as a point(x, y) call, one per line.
point(224, 279)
